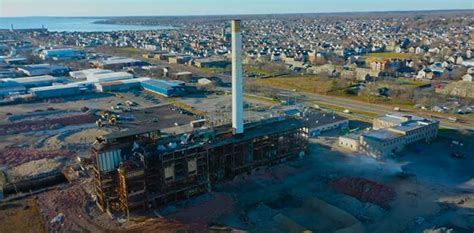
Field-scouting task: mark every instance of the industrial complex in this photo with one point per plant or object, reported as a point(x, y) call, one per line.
point(223, 130)
point(146, 168)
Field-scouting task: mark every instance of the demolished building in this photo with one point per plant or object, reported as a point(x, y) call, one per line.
point(145, 168)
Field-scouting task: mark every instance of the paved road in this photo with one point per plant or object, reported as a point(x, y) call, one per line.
point(367, 107)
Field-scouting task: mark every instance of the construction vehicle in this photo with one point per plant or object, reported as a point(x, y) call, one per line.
point(130, 103)
point(112, 120)
point(109, 117)
point(104, 115)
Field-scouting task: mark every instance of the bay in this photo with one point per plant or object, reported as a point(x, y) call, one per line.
point(71, 24)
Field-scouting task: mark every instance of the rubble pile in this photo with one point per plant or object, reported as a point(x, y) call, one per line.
point(35, 169)
point(277, 173)
point(63, 210)
point(46, 123)
point(53, 100)
point(365, 190)
point(14, 156)
point(163, 225)
point(205, 211)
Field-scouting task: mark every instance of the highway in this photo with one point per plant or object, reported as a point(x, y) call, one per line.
point(308, 99)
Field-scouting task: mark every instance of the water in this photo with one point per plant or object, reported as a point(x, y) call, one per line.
point(71, 24)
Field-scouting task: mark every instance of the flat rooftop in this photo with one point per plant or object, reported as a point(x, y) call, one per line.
point(411, 125)
point(317, 119)
point(399, 118)
point(382, 135)
point(151, 119)
point(257, 129)
point(223, 134)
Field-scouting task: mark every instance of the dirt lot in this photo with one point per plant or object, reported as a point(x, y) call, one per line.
point(307, 194)
point(99, 101)
point(298, 195)
point(21, 216)
point(281, 198)
point(220, 110)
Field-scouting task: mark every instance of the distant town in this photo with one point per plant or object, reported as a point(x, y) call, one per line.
point(357, 122)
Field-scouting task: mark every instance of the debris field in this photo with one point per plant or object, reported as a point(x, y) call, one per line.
point(46, 123)
point(365, 190)
point(14, 156)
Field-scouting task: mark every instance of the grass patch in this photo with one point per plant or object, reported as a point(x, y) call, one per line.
point(212, 70)
point(341, 109)
point(307, 83)
point(122, 51)
point(261, 98)
point(312, 84)
point(258, 71)
point(131, 51)
point(411, 82)
point(389, 55)
point(188, 108)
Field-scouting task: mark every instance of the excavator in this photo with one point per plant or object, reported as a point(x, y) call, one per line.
point(109, 117)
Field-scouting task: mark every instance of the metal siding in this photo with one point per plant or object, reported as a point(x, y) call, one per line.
point(155, 87)
point(57, 92)
point(109, 160)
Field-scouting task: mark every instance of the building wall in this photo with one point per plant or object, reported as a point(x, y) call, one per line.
point(318, 130)
point(117, 87)
point(182, 76)
point(381, 149)
point(9, 90)
point(156, 89)
point(57, 92)
point(349, 143)
point(209, 64)
point(35, 72)
point(426, 133)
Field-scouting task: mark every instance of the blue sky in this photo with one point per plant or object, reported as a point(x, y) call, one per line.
point(207, 7)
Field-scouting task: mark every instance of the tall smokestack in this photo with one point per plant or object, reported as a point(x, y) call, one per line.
point(237, 101)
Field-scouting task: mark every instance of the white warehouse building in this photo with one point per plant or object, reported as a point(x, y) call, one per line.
point(120, 85)
point(35, 81)
point(84, 74)
point(390, 134)
point(108, 77)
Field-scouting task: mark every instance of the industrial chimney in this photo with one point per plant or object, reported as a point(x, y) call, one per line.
point(237, 101)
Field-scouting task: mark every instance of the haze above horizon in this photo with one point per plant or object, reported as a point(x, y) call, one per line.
point(21, 8)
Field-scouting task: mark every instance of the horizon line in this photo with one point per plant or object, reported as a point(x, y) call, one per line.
point(238, 14)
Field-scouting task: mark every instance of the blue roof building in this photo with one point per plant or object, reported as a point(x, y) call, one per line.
point(164, 87)
point(44, 69)
point(65, 53)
